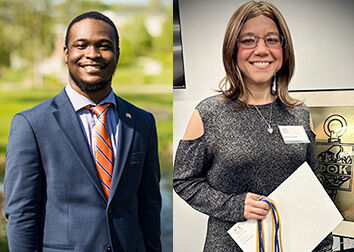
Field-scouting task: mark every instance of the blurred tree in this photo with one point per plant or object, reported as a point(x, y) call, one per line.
point(155, 5)
point(5, 47)
point(26, 29)
point(135, 41)
point(68, 9)
point(163, 42)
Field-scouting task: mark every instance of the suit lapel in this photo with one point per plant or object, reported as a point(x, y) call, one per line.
point(125, 137)
point(68, 122)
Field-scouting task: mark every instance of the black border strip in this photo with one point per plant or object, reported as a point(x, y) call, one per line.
point(179, 79)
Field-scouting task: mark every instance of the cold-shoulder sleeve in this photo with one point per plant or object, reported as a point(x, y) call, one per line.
point(190, 181)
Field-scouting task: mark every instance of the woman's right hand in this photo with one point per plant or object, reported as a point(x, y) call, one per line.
point(255, 208)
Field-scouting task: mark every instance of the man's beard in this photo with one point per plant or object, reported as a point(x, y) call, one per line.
point(90, 87)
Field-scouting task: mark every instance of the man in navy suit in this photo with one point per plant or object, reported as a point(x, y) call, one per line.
point(62, 196)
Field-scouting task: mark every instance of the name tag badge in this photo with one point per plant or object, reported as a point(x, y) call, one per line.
point(293, 134)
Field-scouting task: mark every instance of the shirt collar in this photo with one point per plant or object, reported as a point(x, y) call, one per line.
point(79, 101)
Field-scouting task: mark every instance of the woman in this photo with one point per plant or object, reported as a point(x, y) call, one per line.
point(232, 150)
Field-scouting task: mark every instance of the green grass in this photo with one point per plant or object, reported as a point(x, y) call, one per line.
point(3, 221)
point(3, 239)
point(160, 105)
point(136, 76)
point(15, 76)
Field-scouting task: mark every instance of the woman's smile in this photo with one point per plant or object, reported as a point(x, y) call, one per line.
point(262, 65)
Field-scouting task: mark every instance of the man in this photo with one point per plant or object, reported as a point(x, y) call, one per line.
point(82, 170)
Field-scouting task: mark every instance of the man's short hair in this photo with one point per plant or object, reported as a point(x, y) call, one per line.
point(92, 15)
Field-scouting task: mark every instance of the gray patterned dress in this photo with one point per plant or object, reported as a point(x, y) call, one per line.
point(236, 155)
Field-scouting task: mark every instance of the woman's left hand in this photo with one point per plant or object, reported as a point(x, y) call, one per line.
point(255, 208)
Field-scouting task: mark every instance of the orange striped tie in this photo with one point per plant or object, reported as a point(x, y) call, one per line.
point(103, 147)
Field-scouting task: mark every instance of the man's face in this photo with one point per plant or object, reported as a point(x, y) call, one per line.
point(91, 55)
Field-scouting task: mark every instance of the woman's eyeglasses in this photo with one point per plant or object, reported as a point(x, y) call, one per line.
point(251, 41)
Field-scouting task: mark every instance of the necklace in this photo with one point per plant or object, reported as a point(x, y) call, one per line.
point(270, 129)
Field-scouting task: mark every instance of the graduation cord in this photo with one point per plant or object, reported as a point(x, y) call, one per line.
point(277, 245)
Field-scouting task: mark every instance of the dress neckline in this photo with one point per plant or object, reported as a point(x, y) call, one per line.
point(239, 102)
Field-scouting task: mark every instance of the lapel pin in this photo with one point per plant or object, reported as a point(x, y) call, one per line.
point(128, 115)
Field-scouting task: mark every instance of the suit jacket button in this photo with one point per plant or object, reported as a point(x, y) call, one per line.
point(107, 247)
point(110, 210)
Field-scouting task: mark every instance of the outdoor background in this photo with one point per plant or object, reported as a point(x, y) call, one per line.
point(32, 69)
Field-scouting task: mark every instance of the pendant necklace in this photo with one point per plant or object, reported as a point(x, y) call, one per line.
point(270, 129)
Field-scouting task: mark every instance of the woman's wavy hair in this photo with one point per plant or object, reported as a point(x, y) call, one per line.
point(232, 85)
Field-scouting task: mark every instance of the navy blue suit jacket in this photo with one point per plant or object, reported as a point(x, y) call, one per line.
point(54, 199)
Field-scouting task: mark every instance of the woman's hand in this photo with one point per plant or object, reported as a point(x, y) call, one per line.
point(255, 208)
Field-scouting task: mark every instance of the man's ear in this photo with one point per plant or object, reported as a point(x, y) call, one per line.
point(66, 54)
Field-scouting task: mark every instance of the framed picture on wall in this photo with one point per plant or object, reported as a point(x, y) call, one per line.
point(332, 113)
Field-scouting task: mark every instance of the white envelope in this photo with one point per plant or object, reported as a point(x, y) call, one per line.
point(307, 215)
